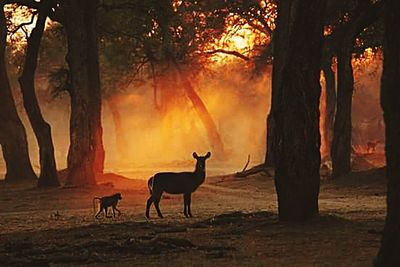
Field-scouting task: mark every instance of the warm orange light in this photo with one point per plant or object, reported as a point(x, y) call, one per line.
point(324, 149)
point(240, 38)
point(244, 37)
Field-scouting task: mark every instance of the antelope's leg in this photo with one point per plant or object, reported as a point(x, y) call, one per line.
point(189, 201)
point(148, 205)
point(157, 199)
point(185, 204)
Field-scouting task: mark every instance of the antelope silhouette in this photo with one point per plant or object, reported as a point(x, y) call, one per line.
point(177, 183)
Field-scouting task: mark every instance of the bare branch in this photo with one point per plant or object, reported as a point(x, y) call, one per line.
point(22, 25)
point(247, 163)
point(259, 28)
point(228, 52)
point(254, 170)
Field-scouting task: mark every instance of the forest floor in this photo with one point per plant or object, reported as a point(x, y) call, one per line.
point(235, 224)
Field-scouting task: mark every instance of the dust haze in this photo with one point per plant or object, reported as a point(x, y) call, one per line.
point(237, 100)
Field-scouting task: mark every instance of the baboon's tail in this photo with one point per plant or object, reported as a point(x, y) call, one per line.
point(150, 185)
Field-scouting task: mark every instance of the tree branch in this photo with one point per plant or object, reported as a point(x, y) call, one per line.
point(22, 25)
point(228, 52)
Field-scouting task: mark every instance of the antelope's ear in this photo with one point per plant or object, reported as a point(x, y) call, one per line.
point(208, 155)
point(195, 155)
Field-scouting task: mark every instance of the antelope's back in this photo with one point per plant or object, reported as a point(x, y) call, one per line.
point(175, 182)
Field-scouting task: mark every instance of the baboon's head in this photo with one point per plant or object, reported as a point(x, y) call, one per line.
point(201, 160)
point(118, 195)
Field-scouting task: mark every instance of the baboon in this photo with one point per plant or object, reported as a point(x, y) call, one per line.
point(106, 202)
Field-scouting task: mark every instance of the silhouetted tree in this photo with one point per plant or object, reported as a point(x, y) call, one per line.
point(12, 132)
point(42, 130)
point(295, 107)
point(86, 152)
point(389, 255)
point(365, 13)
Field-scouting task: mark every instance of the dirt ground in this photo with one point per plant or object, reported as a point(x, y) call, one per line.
point(235, 224)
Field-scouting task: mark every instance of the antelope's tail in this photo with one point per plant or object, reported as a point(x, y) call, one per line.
point(150, 185)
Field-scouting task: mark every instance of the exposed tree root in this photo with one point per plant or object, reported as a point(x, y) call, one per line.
point(254, 170)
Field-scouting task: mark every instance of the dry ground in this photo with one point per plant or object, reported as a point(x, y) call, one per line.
point(235, 224)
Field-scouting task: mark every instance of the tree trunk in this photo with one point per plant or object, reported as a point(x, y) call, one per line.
point(205, 116)
point(366, 13)
point(330, 103)
point(341, 143)
point(48, 171)
point(389, 255)
point(269, 154)
point(120, 139)
point(165, 13)
point(86, 152)
point(12, 132)
point(295, 107)
point(168, 82)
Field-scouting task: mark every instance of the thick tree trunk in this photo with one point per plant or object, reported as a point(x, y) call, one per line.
point(269, 154)
point(12, 132)
point(341, 143)
point(48, 171)
point(330, 89)
point(295, 107)
point(120, 139)
point(389, 255)
point(86, 152)
point(366, 13)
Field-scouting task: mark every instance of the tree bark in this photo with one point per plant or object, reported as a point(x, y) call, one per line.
point(295, 107)
point(12, 132)
point(86, 152)
point(389, 255)
point(48, 171)
point(366, 14)
point(341, 143)
point(269, 154)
